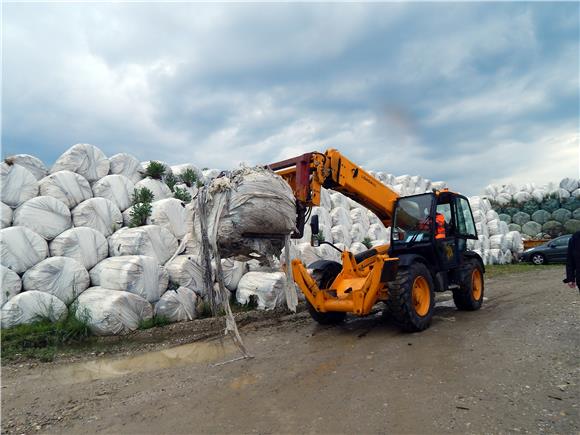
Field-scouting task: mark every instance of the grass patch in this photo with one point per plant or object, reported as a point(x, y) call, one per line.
point(496, 270)
point(41, 340)
point(153, 322)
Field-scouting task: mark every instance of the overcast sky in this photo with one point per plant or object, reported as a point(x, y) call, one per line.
point(468, 93)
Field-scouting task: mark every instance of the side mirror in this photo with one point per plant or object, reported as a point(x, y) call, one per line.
point(314, 229)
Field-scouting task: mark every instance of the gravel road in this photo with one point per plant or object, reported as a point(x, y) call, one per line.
point(513, 366)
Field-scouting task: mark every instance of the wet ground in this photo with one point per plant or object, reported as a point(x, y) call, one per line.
point(510, 367)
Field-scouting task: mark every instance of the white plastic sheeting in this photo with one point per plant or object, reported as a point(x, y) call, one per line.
point(84, 159)
point(125, 164)
point(358, 232)
point(117, 188)
point(210, 174)
point(180, 169)
point(136, 274)
point(66, 186)
point(112, 312)
point(325, 200)
point(10, 284)
point(338, 200)
point(18, 184)
point(30, 307)
point(268, 288)
point(5, 216)
point(377, 231)
point(359, 216)
point(177, 305)
point(341, 216)
point(233, 271)
point(45, 215)
point(21, 248)
point(569, 184)
point(150, 240)
point(159, 189)
point(84, 244)
point(99, 214)
point(34, 165)
point(357, 248)
point(171, 214)
point(187, 271)
point(62, 277)
point(340, 234)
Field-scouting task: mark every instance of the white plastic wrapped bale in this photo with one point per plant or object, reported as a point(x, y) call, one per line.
point(112, 312)
point(503, 198)
point(479, 203)
point(5, 216)
point(324, 218)
point(438, 185)
point(18, 185)
point(563, 194)
point(177, 305)
point(493, 227)
point(83, 244)
point(377, 231)
point(325, 200)
point(116, 188)
point(373, 218)
point(159, 189)
point(136, 274)
point(21, 248)
point(34, 165)
point(359, 216)
point(569, 184)
point(515, 242)
point(495, 256)
point(45, 215)
point(30, 307)
point(187, 271)
point(338, 200)
point(522, 197)
point(491, 215)
point(10, 284)
point(341, 216)
point(180, 169)
point(150, 240)
point(233, 271)
point(210, 174)
point(484, 240)
point(479, 215)
point(357, 233)
point(247, 201)
point(171, 214)
point(498, 242)
point(309, 254)
point(66, 186)
point(62, 277)
point(482, 228)
point(538, 195)
point(84, 159)
point(357, 248)
point(380, 242)
point(268, 288)
point(99, 214)
point(127, 165)
point(340, 234)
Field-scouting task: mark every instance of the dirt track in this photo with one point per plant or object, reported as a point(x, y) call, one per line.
point(512, 366)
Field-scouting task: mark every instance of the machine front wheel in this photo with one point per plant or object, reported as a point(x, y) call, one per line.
point(469, 295)
point(411, 299)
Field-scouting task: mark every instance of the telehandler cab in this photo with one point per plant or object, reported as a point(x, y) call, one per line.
point(421, 259)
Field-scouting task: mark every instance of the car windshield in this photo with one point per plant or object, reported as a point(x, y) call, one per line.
point(412, 222)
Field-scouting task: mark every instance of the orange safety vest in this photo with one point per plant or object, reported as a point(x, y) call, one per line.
point(440, 229)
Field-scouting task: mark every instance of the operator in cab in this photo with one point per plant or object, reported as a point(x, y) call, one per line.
point(439, 226)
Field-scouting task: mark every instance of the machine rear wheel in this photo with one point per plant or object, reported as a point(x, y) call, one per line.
point(469, 295)
point(411, 299)
point(324, 273)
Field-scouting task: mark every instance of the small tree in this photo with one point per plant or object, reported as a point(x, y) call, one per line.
point(155, 170)
point(367, 242)
point(190, 178)
point(142, 195)
point(181, 194)
point(171, 181)
point(142, 207)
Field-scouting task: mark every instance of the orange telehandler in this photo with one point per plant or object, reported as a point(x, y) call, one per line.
point(421, 259)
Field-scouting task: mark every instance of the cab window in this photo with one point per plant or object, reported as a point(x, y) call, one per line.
point(464, 219)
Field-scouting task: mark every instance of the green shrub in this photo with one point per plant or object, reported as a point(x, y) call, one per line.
point(155, 170)
point(139, 214)
point(142, 195)
point(171, 180)
point(190, 178)
point(319, 236)
point(367, 242)
point(153, 322)
point(182, 194)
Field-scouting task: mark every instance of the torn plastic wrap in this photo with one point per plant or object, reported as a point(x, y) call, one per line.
point(117, 188)
point(177, 305)
point(32, 306)
point(62, 277)
point(10, 284)
point(66, 186)
point(33, 164)
point(45, 215)
point(5, 216)
point(150, 240)
point(21, 248)
point(136, 274)
point(267, 288)
point(18, 185)
point(84, 159)
point(127, 165)
point(99, 214)
point(83, 244)
point(112, 312)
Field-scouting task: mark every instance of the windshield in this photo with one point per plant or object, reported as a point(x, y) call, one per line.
point(412, 222)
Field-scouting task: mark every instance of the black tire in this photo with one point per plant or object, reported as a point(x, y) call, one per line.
point(469, 295)
point(324, 273)
point(405, 309)
point(538, 259)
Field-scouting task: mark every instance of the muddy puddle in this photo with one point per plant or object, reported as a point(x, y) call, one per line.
point(194, 353)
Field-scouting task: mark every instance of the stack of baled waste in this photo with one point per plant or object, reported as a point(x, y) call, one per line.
point(538, 212)
point(64, 246)
point(496, 244)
